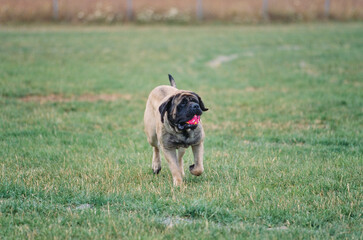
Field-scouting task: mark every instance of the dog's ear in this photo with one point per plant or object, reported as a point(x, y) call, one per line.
point(201, 104)
point(164, 107)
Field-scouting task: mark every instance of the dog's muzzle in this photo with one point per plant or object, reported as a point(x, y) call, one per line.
point(191, 124)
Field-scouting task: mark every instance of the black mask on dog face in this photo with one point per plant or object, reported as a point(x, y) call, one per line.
point(183, 110)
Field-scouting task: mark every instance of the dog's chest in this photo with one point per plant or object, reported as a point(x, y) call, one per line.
point(184, 140)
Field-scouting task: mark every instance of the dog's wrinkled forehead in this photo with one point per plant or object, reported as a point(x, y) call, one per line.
point(178, 98)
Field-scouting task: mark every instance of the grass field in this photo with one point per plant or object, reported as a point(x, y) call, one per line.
point(283, 148)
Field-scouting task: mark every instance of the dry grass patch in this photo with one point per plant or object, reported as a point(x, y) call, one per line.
point(302, 125)
point(268, 124)
point(83, 98)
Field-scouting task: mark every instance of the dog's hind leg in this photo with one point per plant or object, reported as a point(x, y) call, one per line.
point(181, 152)
point(156, 164)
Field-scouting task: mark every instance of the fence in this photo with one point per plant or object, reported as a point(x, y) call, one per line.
point(176, 10)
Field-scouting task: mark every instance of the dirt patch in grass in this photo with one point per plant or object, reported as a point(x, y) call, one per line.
point(221, 59)
point(302, 125)
point(251, 89)
point(265, 125)
point(82, 98)
point(309, 69)
point(277, 228)
point(170, 222)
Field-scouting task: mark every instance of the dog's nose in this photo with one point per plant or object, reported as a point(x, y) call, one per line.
point(195, 106)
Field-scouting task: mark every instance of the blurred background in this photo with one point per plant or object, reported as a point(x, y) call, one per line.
point(186, 11)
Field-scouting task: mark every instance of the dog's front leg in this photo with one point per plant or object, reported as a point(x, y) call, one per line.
point(197, 168)
point(171, 158)
point(181, 152)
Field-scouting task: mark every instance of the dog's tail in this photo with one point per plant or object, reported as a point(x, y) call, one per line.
point(172, 81)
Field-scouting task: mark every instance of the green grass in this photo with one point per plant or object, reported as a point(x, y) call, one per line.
point(283, 148)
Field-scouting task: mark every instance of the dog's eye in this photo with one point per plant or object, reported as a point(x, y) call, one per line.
point(183, 102)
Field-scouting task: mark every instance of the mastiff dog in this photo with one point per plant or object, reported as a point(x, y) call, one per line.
point(172, 124)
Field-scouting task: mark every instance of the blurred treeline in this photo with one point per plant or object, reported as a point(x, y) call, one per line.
point(182, 11)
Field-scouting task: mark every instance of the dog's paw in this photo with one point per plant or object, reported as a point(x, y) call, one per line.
point(197, 171)
point(177, 181)
point(157, 170)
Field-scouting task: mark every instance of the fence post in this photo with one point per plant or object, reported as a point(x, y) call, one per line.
point(199, 10)
point(55, 9)
point(327, 8)
point(265, 9)
point(129, 10)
